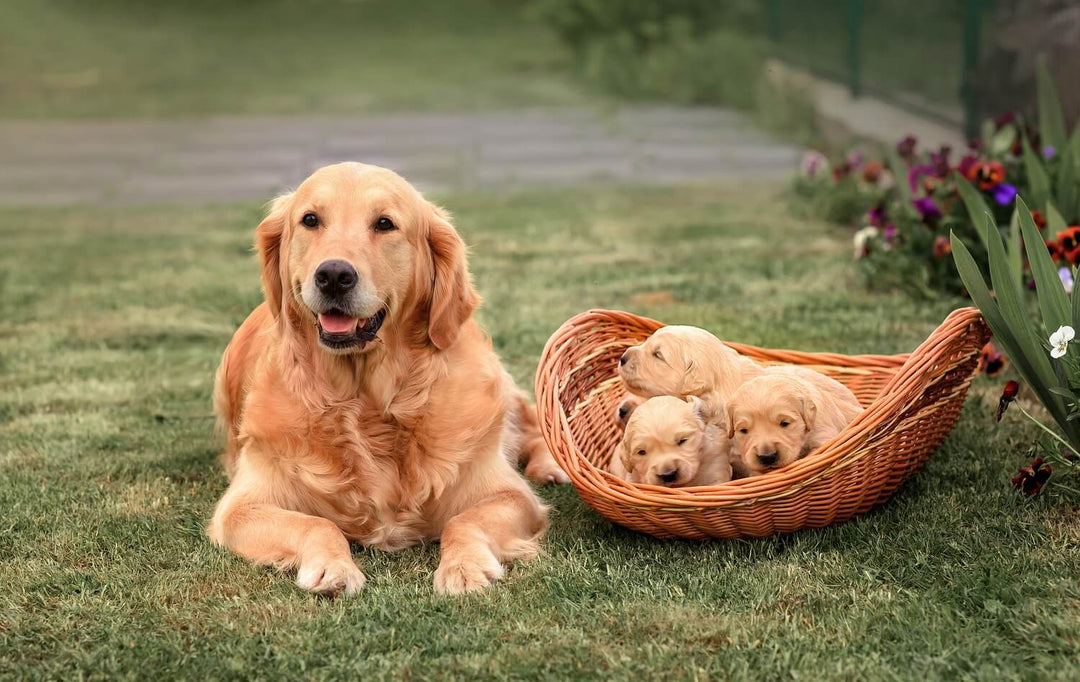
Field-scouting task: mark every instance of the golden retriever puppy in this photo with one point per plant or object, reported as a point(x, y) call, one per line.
point(626, 407)
point(684, 361)
point(784, 414)
point(362, 402)
point(675, 443)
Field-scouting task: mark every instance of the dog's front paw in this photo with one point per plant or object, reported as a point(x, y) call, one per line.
point(458, 576)
point(330, 577)
point(542, 469)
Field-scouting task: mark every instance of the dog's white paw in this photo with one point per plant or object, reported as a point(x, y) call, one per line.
point(460, 576)
point(330, 577)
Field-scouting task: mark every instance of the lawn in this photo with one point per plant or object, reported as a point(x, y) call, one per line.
point(123, 58)
point(111, 324)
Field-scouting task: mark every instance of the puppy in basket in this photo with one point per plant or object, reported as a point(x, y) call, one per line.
point(684, 361)
point(674, 442)
point(783, 414)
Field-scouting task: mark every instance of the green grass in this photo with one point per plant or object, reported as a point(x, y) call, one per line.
point(122, 58)
point(111, 324)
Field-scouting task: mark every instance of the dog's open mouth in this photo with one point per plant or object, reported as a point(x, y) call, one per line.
point(339, 331)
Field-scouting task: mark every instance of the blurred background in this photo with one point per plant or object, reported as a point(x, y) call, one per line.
point(121, 100)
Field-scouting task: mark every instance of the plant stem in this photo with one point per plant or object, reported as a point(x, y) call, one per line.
point(1044, 428)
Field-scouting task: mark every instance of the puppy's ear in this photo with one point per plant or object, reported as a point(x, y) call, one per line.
point(709, 408)
point(808, 410)
point(695, 380)
point(730, 410)
point(268, 237)
point(453, 297)
point(623, 452)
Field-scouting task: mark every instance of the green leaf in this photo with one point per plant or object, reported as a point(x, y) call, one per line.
point(1038, 180)
point(1003, 333)
point(1066, 195)
point(1010, 297)
point(1016, 256)
point(1051, 118)
point(1053, 301)
point(1003, 140)
point(1075, 304)
point(974, 202)
point(1063, 392)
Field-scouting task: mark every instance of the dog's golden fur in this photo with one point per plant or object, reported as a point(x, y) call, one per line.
point(410, 437)
point(675, 443)
point(684, 361)
point(784, 414)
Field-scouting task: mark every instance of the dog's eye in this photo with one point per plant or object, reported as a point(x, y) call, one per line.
point(744, 431)
point(682, 441)
point(641, 453)
point(384, 224)
point(310, 220)
point(657, 355)
point(784, 424)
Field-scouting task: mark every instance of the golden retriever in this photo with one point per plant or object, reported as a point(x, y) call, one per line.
point(784, 414)
point(683, 361)
point(675, 443)
point(361, 401)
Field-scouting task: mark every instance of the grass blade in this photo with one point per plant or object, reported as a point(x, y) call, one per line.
point(1053, 302)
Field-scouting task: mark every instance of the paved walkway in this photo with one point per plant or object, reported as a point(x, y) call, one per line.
point(241, 158)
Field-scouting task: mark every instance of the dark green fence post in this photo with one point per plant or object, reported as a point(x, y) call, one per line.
point(854, 21)
point(968, 92)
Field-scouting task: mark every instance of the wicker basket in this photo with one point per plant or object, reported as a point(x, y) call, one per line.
point(912, 400)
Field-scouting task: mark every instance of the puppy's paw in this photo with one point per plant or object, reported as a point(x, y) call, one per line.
point(544, 470)
point(330, 577)
point(468, 574)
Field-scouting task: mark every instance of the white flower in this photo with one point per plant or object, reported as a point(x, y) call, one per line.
point(862, 237)
point(1059, 341)
point(1065, 274)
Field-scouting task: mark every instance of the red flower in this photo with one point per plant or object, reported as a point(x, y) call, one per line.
point(1040, 219)
point(872, 172)
point(986, 174)
point(991, 362)
point(1073, 256)
point(1069, 238)
point(1056, 253)
point(1007, 396)
point(1030, 480)
point(942, 247)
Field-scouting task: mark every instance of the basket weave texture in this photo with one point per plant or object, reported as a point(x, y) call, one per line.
point(912, 402)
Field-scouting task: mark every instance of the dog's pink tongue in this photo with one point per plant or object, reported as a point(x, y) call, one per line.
point(337, 324)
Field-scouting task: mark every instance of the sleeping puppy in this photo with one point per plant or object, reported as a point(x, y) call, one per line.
point(684, 361)
point(784, 414)
point(626, 408)
point(674, 443)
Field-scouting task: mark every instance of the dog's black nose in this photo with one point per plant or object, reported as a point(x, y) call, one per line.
point(623, 359)
point(623, 412)
point(335, 277)
point(768, 458)
point(669, 476)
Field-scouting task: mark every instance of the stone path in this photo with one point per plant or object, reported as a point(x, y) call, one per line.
point(242, 158)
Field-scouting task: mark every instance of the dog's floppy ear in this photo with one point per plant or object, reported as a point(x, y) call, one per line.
point(730, 410)
point(268, 243)
point(709, 408)
point(453, 297)
point(808, 409)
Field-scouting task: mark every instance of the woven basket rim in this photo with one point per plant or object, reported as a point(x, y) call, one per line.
point(903, 390)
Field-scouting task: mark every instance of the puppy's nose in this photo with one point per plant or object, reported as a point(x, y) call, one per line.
point(768, 458)
point(623, 411)
point(335, 277)
point(624, 358)
point(669, 476)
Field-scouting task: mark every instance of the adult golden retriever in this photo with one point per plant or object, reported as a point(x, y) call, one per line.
point(361, 401)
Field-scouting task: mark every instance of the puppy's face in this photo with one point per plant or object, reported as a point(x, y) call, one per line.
point(663, 441)
point(769, 419)
point(355, 246)
point(664, 364)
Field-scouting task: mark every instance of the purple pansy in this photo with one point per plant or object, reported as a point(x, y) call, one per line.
point(928, 209)
point(890, 232)
point(1004, 194)
point(1048, 152)
point(875, 216)
point(906, 146)
point(939, 160)
point(917, 172)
